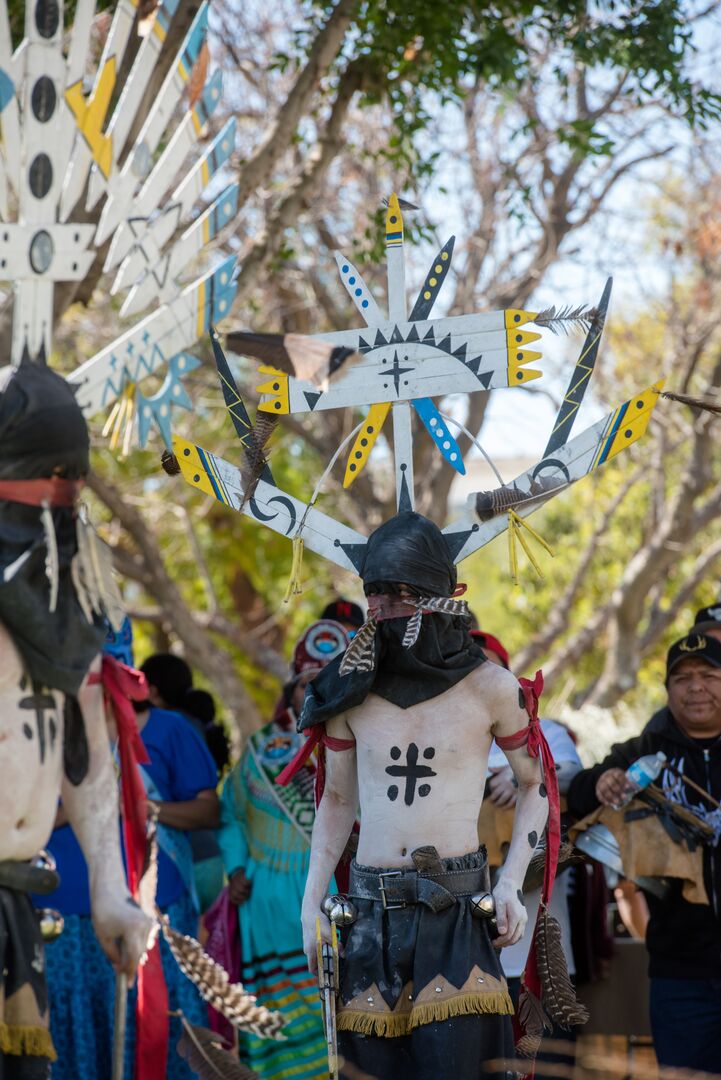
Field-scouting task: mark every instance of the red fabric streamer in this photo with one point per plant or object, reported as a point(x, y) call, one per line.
point(151, 1012)
point(533, 738)
point(316, 738)
point(122, 685)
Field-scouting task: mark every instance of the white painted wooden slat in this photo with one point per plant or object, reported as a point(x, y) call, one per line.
point(123, 183)
point(176, 207)
point(360, 294)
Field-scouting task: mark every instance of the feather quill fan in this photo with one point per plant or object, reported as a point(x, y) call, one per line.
point(215, 987)
point(207, 1056)
point(561, 320)
point(559, 997)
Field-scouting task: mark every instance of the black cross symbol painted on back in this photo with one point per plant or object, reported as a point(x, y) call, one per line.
point(41, 702)
point(412, 772)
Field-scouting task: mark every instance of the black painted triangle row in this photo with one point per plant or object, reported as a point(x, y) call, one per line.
point(445, 344)
point(485, 378)
point(396, 336)
point(363, 345)
point(380, 340)
point(311, 398)
point(430, 336)
point(460, 352)
point(413, 334)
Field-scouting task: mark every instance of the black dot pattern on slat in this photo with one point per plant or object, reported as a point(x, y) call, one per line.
point(41, 175)
point(43, 99)
point(47, 17)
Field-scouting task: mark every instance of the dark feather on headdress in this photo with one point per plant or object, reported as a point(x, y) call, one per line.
point(402, 203)
point(692, 402)
point(255, 466)
point(559, 996)
point(298, 355)
point(253, 438)
point(561, 320)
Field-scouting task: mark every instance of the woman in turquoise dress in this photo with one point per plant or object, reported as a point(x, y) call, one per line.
point(265, 843)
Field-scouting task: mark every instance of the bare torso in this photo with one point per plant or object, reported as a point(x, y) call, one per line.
point(421, 772)
point(31, 758)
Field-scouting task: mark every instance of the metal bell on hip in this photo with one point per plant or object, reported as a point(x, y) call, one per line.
point(51, 923)
point(483, 906)
point(340, 910)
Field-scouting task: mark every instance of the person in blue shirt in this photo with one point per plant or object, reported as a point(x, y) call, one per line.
point(180, 778)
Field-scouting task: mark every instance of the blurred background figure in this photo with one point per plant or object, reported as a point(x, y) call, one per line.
point(171, 687)
point(348, 614)
point(265, 841)
point(180, 779)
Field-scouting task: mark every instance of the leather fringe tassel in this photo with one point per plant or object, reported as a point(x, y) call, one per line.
point(393, 1025)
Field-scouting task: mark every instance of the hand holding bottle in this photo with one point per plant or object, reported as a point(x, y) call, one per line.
point(617, 788)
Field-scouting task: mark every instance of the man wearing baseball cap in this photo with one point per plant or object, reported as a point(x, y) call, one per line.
point(683, 939)
point(708, 621)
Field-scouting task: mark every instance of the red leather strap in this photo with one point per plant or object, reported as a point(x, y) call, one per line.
point(338, 744)
point(54, 490)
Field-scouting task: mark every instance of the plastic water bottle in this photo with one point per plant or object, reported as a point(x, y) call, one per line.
point(642, 773)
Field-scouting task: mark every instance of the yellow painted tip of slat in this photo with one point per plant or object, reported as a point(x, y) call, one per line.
point(523, 376)
point(277, 390)
point(191, 467)
point(517, 372)
point(394, 218)
point(515, 317)
point(636, 419)
point(518, 338)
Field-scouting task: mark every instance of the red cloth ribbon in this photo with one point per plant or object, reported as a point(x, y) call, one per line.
point(122, 685)
point(316, 738)
point(54, 490)
point(533, 738)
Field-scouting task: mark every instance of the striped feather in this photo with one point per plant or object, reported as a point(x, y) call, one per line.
point(557, 991)
point(444, 605)
point(215, 987)
point(413, 629)
point(361, 653)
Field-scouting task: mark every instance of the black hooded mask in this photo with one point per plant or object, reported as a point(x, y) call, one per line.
point(410, 550)
point(43, 433)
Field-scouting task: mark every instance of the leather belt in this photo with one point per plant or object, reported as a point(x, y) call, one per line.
point(401, 888)
point(26, 877)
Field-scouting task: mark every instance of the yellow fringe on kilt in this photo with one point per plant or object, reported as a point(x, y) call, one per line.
point(392, 1025)
point(20, 1040)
